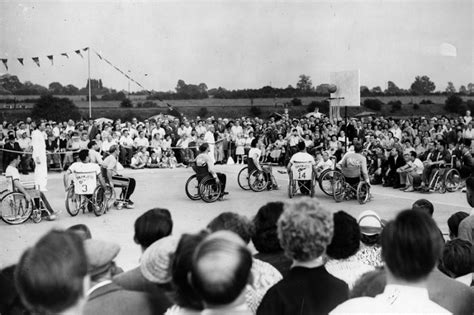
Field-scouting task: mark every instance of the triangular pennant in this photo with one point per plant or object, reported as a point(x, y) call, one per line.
point(5, 63)
point(50, 57)
point(20, 60)
point(85, 49)
point(65, 55)
point(79, 53)
point(36, 60)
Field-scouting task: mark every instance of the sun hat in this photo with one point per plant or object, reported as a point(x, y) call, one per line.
point(156, 260)
point(370, 223)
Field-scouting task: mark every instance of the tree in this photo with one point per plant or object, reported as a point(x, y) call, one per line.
point(322, 89)
point(55, 108)
point(304, 83)
point(377, 90)
point(364, 91)
point(126, 103)
point(56, 88)
point(470, 88)
point(422, 85)
point(453, 104)
point(463, 90)
point(450, 89)
point(71, 90)
point(392, 89)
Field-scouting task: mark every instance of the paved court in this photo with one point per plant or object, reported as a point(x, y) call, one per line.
point(165, 188)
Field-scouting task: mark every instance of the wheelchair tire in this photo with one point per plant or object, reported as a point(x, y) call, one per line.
point(99, 200)
point(110, 196)
point(209, 189)
point(243, 178)
point(15, 208)
point(313, 185)
point(73, 202)
point(451, 180)
point(192, 188)
point(326, 180)
point(291, 186)
point(338, 190)
point(257, 181)
point(363, 192)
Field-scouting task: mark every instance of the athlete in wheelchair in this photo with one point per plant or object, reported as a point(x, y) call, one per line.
point(301, 172)
point(112, 178)
point(19, 202)
point(349, 186)
point(206, 183)
point(260, 177)
point(439, 173)
point(83, 192)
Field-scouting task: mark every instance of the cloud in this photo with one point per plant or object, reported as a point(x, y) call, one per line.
point(447, 50)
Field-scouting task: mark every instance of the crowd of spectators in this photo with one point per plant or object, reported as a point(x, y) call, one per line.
point(291, 258)
point(401, 153)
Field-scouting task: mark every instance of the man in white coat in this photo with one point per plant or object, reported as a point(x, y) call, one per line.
point(210, 139)
point(39, 156)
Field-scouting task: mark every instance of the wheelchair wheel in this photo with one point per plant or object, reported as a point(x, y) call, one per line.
point(243, 178)
point(363, 192)
point(451, 180)
point(73, 202)
point(109, 196)
point(192, 188)
point(326, 180)
point(292, 186)
point(15, 208)
point(99, 200)
point(313, 185)
point(209, 189)
point(339, 190)
point(257, 181)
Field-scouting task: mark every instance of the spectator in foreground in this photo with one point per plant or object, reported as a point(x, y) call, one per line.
point(82, 230)
point(370, 284)
point(106, 297)
point(410, 249)
point(466, 227)
point(51, 276)
point(371, 226)
point(343, 263)
point(305, 229)
point(263, 274)
point(10, 301)
point(220, 271)
point(454, 221)
point(187, 301)
point(458, 261)
point(150, 227)
point(265, 238)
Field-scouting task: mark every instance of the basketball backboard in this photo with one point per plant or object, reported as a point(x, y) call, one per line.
point(348, 88)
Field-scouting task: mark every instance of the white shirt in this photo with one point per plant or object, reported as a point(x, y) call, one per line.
point(141, 142)
point(12, 172)
point(81, 167)
point(38, 143)
point(325, 164)
point(396, 299)
point(302, 157)
point(418, 166)
point(95, 157)
point(255, 153)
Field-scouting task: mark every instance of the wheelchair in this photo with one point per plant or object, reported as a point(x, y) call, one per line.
point(444, 180)
point(301, 176)
point(342, 190)
point(84, 194)
point(250, 178)
point(328, 177)
point(202, 185)
point(14, 206)
point(110, 195)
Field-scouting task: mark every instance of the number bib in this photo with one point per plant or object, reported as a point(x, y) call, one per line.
point(302, 170)
point(85, 183)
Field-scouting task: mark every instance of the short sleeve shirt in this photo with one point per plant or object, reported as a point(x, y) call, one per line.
point(80, 167)
point(110, 163)
point(12, 172)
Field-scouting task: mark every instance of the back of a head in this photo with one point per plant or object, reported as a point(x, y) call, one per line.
point(411, 245)
point(424, 205)
point(453, 222)
point(231, 221)
point(254, 142)
point(82, 230)
point(346, 239)
point(358, 148)
point(265, 238)
point(152, 226)
point(50, 276)
point(83, 154)
point(458, 258)
point(301, 146)
point(221, 268)
point(305, 229)
point(185, 295)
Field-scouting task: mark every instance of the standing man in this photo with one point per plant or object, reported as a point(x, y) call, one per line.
point(39, 156)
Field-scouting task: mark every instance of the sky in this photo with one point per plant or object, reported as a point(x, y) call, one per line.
point(239, 44)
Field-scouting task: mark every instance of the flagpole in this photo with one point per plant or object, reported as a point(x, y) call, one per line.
point(89, 80)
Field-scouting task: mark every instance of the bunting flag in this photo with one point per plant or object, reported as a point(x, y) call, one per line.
point(5, 63)
point(98, 55)
point(79, 53)
point(85, 49)
point(20, 60)
point(50, 57)
point(65, 55)
point(36, 60)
